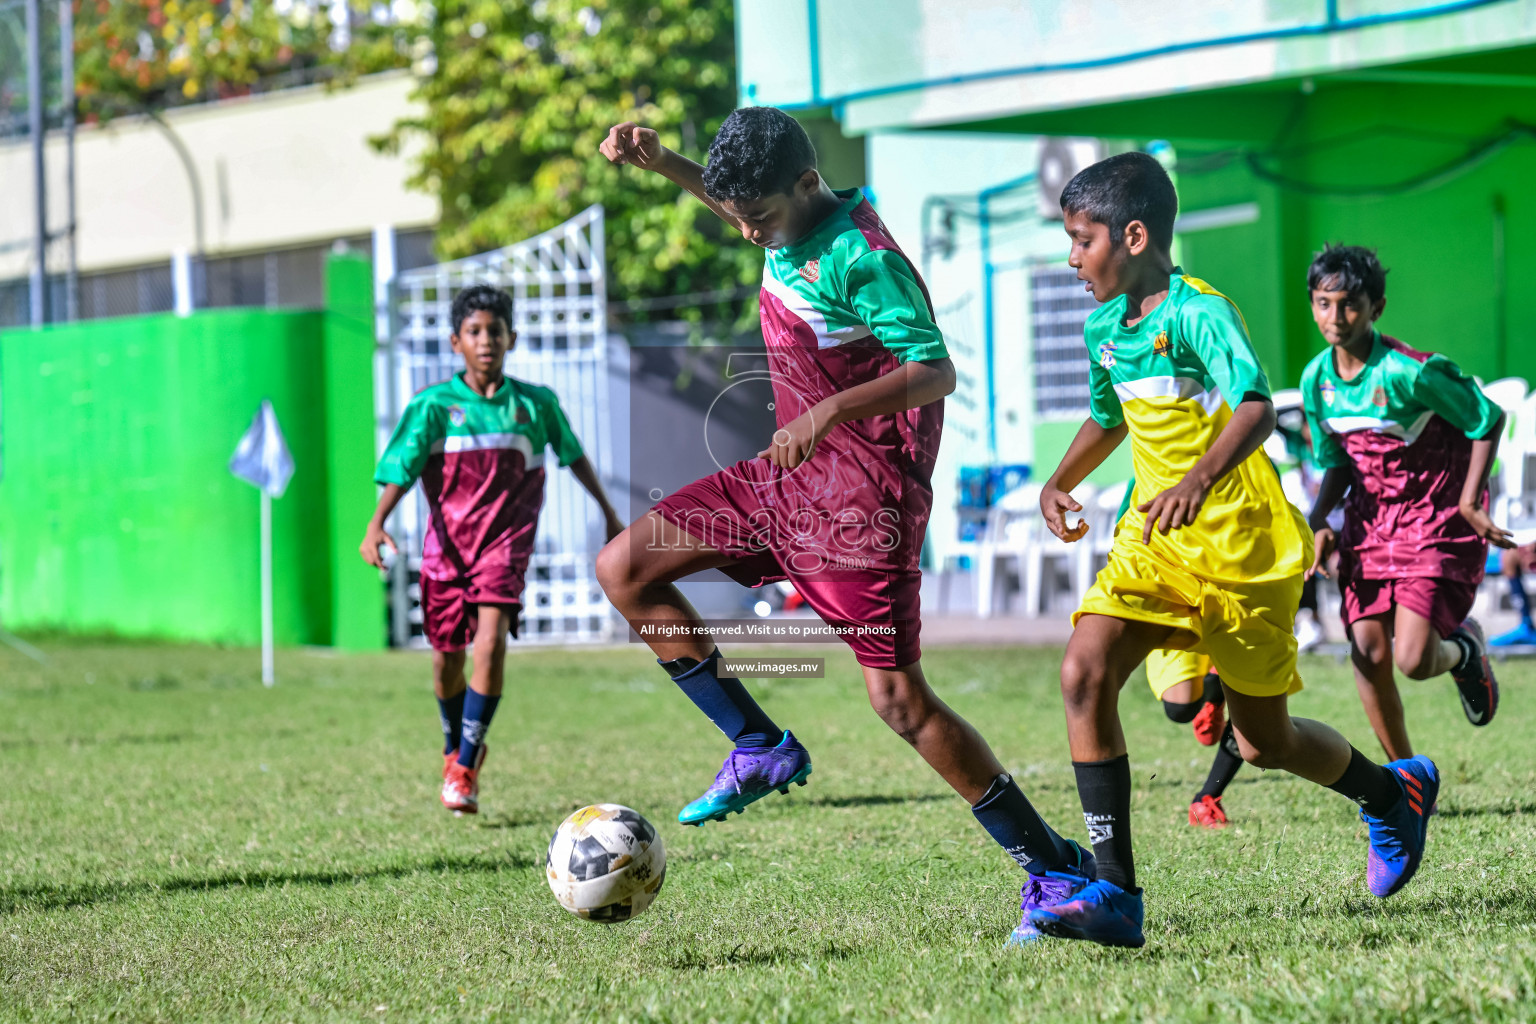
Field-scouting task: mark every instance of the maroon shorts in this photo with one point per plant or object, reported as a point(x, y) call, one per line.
point(1445, 603)
point(450, 608)
point(875, 607)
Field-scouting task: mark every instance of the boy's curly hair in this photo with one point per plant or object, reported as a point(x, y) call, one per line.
point(1348, 268)
point(758, 152)
point(481, 297)
point(1123, 188)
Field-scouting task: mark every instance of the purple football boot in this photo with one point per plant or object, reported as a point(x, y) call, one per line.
point(749, 774)
point(1047, 890)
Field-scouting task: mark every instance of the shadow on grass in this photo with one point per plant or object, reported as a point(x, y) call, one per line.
point(1500, 810)
point(59, 897)
point(54, 743)
point(695, 960)
point(877, 800)
point(508, 821)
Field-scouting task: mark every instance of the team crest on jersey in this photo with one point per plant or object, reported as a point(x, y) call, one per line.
point(811, 271)
point(1379, 399)
point(1161, 345)
point(456, 415)
point(522, 415)
point(1327, 388)
point(1107, 354)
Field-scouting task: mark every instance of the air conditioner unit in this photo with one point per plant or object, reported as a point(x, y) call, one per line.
point(1061, 157)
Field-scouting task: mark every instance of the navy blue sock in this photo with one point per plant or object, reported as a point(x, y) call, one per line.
point(1008, 816)
point(479, 708)
point(725, 701)
point(451, 712)
point(1519, 598)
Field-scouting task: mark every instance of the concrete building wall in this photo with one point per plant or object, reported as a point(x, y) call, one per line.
point(276, 170)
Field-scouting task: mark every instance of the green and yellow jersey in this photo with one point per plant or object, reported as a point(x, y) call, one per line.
point(1173, 378)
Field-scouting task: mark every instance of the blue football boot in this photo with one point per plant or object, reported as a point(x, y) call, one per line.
point(1100, 912)
point(1397, 838)
point(1047, 889)
point(748, 775)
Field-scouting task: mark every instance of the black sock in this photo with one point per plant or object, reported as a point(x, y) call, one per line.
point(1468, 652)
point(1368, 784)
point(1104, 787)
point(1224, 767)
point(1008, 816)
point(1182, 713)
point(725, 701)
point(1214, 694)
point(1520, 599)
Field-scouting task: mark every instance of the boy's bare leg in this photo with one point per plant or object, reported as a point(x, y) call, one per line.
point(1421, 653)
point(954, 749)
point(1376, 682)
point(638, 571)
point(950, 745)
point(447, 674)
point(493, 624)
point(1101, 655)
point(1270, 738)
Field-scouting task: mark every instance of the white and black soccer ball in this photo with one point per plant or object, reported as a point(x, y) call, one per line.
point(606, 863)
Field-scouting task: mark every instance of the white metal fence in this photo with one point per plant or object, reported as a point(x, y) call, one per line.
point(559, 296)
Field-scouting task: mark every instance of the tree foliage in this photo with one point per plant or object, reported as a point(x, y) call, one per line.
point(134, 55)
point(523, 93)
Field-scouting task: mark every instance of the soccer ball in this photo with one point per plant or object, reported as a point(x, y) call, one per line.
point(605, 863)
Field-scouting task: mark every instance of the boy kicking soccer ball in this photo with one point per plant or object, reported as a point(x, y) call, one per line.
point(1210, 557)
point(476, 442)
point(838, 502)
point(1411, 438)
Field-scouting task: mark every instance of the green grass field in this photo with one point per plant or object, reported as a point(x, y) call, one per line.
point(177, 843)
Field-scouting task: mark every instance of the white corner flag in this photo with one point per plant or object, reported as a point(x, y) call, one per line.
point(263, 460)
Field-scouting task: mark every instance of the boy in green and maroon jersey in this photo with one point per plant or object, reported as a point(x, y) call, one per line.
point(1411, 438)
point(476, 442)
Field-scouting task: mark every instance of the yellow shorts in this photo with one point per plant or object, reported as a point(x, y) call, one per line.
point(1245, 628)
point(1167, 669)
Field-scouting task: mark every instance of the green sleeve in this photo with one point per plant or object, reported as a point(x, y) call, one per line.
point(1212, 327)
point(1125, 503)
point(558, 431)
point(1455, 397)
point(1326, 450)
point(420, 426)
point(884, 293)
point(1103, 402)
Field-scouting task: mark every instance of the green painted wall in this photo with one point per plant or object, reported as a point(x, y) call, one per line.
point(117, 509)
point(357, 593)
point(118, 513)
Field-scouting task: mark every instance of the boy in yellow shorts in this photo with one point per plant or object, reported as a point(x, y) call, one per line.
point(1209, 558)
point(1191, 694)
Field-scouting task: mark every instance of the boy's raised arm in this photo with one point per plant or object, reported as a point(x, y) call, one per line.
point(630, 143)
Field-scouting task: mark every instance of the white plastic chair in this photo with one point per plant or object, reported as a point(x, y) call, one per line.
point(1092, 552)
point(1008, 535)
point(1507, 392)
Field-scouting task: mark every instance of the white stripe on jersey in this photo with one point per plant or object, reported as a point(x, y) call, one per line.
point(801, 307)
point(1392, 428)
point(485, 442)
point(1181, 388)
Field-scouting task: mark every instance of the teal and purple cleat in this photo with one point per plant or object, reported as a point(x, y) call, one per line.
point(1100, 912)
point(1398, 837)
point(1047, 889)
point(748, 775)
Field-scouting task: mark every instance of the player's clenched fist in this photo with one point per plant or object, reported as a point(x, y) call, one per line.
point(628, 143)
point(1055, 503)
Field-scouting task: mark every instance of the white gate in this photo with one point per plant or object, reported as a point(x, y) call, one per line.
point(559, 298)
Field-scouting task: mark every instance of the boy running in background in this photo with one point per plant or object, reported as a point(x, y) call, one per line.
point(1190, 691)
point(1411, 438)
point(476, 442)
point(839, 499)
point(1210, 557)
